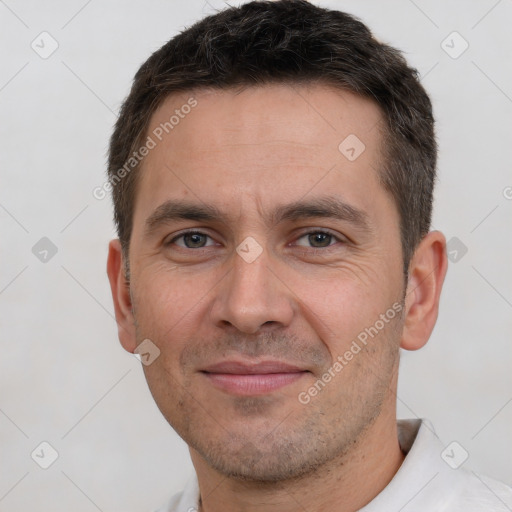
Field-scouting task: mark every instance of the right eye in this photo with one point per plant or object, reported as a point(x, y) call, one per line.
point(192, 240)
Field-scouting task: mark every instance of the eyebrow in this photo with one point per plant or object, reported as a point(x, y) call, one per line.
point(324, 207)
point(182, 210)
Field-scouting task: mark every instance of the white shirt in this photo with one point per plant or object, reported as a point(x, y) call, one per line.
point(431, 479)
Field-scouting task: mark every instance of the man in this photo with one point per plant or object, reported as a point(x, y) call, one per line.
point(272, 173)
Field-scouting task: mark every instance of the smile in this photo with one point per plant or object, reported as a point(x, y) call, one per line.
point(252, 379)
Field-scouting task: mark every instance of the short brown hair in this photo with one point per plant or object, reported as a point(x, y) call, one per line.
point(288, 41)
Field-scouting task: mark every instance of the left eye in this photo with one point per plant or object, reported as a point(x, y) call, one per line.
point(192, 240)
point(317, 239)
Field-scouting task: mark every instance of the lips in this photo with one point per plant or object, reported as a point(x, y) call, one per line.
point(241, 378)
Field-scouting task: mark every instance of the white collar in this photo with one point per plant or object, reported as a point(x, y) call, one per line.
point(425, 482)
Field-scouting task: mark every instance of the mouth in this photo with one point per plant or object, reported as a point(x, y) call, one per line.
point(245, 379)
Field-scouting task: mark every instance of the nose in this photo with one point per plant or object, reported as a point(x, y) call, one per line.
point(253, 297)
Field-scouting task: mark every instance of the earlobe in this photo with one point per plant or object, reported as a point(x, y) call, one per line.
point(427, 271)
point(121, 296)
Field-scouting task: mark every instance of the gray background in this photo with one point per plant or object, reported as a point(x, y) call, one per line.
point(65, 379)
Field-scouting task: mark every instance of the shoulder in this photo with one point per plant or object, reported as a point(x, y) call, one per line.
point(433, 478)
point(477, 492)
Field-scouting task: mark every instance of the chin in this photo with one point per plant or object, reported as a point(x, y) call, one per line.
point(271, 461)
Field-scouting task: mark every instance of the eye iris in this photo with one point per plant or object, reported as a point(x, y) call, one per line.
point(320, 239)
point(194, 240)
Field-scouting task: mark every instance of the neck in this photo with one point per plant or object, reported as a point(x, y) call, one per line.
point(345, 484)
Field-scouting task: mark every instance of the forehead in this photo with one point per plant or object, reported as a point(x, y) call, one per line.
point(262, 145)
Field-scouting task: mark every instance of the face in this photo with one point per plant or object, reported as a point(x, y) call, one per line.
point(266, 266)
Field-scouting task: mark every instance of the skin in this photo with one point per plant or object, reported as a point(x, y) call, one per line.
point(303, 300)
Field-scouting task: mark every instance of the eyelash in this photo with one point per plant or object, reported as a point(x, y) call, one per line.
point(305, 234)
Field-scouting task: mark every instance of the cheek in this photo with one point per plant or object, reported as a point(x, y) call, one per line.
point(342, 305)
point(168, 302)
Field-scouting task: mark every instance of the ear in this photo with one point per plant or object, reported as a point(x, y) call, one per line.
point(121, 296)
point(427, 270)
